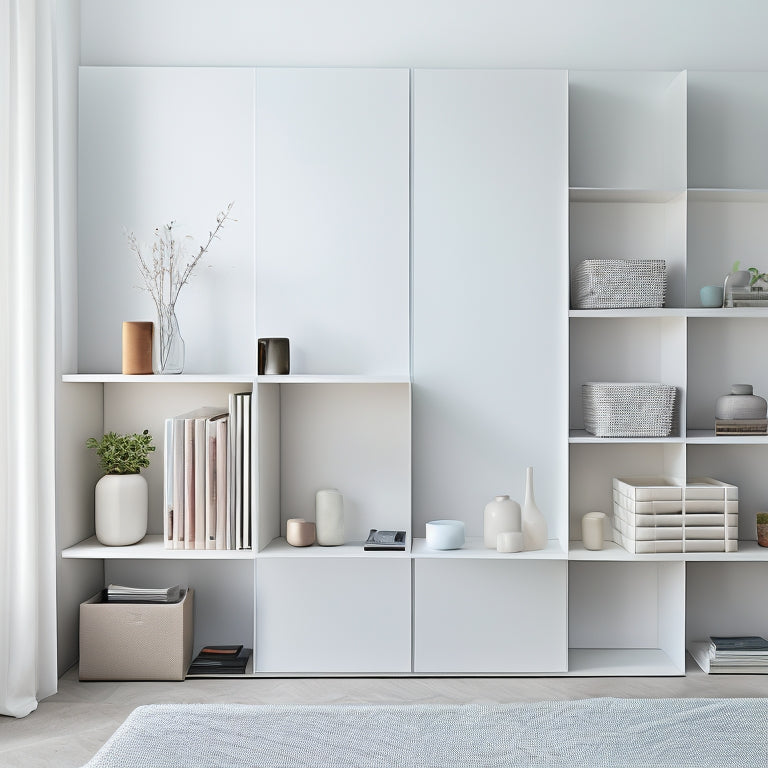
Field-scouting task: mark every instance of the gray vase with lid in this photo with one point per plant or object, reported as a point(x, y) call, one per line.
point(741, 404)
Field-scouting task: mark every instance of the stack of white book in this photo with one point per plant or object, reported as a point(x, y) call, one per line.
point(208, 477)
point(660, 514)
point(739, 654)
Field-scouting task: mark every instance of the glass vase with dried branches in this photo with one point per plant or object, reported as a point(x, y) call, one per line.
point(165, 270)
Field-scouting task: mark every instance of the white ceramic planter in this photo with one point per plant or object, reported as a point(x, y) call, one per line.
point(121, 509)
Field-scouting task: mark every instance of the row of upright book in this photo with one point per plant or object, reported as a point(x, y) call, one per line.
point(207, 474)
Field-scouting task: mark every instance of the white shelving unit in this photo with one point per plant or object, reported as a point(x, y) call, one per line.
point(434, 354)
point(703, 210)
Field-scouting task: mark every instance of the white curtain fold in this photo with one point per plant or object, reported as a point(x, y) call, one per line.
point(27, 354)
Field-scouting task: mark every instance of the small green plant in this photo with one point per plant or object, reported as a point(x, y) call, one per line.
point(122, 454)
point(757, 275)
point(762, 518)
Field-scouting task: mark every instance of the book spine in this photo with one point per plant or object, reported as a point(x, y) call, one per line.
point(246, 492)
point(200, 449)
point(189, 483)
point(231, 471)
point(222, 482)
point(168, 484)
point(211, 429)
point(178, 484)
point(238, 471)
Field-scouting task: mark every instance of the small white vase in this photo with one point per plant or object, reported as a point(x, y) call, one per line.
point(121, 509)
point(500, 516)
point(534, 523)
point(329, 517)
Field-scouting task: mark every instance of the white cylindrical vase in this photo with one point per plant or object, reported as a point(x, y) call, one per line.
point(329, 517)
point(121, 509)
point(592, 530)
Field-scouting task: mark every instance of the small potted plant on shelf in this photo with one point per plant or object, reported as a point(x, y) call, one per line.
point(762, 529)
point(121, 495)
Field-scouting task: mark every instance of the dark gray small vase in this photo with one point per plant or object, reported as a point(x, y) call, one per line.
point(274, 356)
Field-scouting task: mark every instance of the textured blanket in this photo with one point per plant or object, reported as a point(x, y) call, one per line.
point(599, 733)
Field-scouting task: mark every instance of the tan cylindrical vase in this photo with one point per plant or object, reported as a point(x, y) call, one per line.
point(137, 347)
point(299, 532)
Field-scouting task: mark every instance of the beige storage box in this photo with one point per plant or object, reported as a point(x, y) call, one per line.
point(136, 641)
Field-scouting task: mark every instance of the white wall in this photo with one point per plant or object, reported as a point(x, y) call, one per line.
point(575, 34)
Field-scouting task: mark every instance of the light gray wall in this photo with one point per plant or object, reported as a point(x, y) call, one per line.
point(575, 34)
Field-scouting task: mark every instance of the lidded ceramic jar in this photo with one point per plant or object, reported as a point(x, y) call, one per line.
point(501, 515)
point(741, 404)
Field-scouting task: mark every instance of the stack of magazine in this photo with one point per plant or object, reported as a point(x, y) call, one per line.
point(220, 660)
point(117, 594)
point(739, 654)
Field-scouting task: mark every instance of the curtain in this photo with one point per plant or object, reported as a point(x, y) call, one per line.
point(27, 355)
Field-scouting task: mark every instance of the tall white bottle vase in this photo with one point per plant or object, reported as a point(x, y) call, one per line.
point(329, 517)
point(534, 523)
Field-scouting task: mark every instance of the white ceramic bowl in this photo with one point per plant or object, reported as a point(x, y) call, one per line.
point(445, 534)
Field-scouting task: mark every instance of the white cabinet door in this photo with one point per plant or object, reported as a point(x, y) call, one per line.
point(322, 614)
point(159, 144)
point(332, 217)
point(489, 616)
point(490, 292)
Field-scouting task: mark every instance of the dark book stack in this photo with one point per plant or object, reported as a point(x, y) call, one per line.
point(743, 653)
point(220, 660)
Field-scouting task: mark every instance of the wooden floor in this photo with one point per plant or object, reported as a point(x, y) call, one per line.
point(67, 729)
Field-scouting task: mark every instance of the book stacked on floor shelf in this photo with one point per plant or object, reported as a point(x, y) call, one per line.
point(208, 477)
point(740, 654)
point(220, 660)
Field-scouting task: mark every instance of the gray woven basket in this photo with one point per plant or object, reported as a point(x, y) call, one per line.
point(628, 410)
point(619, 283)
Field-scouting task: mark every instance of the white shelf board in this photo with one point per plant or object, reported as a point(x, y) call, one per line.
point(722, 195)
point(182, 378)
point(660, 312)
point(615, 195)
point(612, 552)
point(281, 548)
point(475, 548)
point(639, 312)
point(305, 378)
point(726, 313)
point(151, 547)
point(708, 437)
point(582, 436)
point(749, 551)
point(620, 662)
